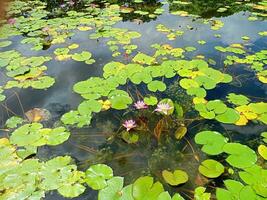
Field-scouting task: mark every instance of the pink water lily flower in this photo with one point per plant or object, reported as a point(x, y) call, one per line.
point(11, 21)
point(45, 29)
point(129, 124)
point(71, 3)
point(140, 105)
point(163, 107)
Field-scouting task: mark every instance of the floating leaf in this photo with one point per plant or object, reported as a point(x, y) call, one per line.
point(112, 190)
point(200, 194)
point(83, 56)
point(212, 141)
point(151, 100)
point(241, 156)
point(154, 86)
point(176, 178)
point(13, 122)
point(97, 176)
point(262, 149)
point(144, 188)
point(231, 116)
point(143, 59)
point(211, 168)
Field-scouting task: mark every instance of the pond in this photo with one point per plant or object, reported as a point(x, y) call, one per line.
point(133, 100)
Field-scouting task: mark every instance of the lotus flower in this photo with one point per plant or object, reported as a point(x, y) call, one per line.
point(71, 3)
point(129, 124)
point(11, 21)
point(62, 6)
point(140, 105)
point(163, 107)
point(45, 29)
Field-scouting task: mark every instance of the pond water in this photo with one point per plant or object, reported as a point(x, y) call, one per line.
point(210, 33)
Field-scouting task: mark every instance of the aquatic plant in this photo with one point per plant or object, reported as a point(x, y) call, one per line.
point(129, 124)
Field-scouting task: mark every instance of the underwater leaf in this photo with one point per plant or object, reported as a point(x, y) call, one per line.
point(262, 149)
point(97, 176)
point(212, 141)
point(240, 156)
point(211, 168)
point(37, 115)
point(130, 138)
point(180, 132)
point(176, 178)
point(179, 112)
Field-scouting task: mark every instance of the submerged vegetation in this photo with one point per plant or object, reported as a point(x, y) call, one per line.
point(169, 109)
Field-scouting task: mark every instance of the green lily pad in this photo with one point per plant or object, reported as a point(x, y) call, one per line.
point(151, 100)
point(154, 86)
point(240, 156)
point(5, 44)
point(255, 176)
point(238, 99)
point(176, 178)
point(145, 188)
point(14, 121)
point(230, 116)
point(200, 194)
point(97, 176)
point(83, 56)
point(112, 190)
point(143, 59)
point(211, 168)
point(212, 141)
point(262, 149)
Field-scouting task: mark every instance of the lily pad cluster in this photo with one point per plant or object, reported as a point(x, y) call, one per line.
point(196, 74)
point(31, 178)
point(118, 37)
point(172, 34)
point(25, 71)
point(239, 156)
point(256, 62)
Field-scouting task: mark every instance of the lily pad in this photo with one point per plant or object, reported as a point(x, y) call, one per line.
point(154, 86)
point(211, 168)
point(176, 178)
point(97, 176)
point(240, 156)
point(212, 141)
